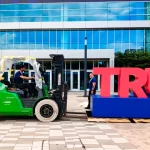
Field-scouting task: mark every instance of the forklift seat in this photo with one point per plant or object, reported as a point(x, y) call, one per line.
point(15, 86)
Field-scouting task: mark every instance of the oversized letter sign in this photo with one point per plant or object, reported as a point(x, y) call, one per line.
point(135, 86)
point(105, 78)
point(142, 79)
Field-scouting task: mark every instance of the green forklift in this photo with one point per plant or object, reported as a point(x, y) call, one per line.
point(47, 105)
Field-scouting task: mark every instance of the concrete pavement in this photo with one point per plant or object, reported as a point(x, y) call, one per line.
point(69, 133)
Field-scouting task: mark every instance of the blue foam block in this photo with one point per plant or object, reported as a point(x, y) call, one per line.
point(116, 107)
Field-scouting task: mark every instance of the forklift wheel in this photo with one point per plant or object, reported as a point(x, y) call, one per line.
point(46, 110)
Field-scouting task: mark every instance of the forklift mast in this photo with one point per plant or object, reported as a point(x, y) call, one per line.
point(60, 95)
point(57, 68)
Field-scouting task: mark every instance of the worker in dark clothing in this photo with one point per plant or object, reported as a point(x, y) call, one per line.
point(92, 89)
point(19, 77)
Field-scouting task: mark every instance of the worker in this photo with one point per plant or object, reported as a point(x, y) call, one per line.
point(19, 77)
point(92, 89)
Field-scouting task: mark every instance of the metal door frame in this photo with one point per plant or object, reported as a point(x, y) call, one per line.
point(72, 71)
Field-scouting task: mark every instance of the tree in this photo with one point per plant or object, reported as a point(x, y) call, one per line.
point(138, 59)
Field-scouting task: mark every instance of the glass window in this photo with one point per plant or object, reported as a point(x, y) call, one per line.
point(50, 13)
point(75, 65)
point(103, 36)
point(46, 39)
point(31, 35)
point(140, 36)
point(96, 39)
point(81, 64)
point(74, 12)
point(96, 5)
point(59, 39)
point(38, 36)
point(118, 5)
point(90, 65)
point(52, 5)
point(10, 7)
point(125, 47)
point(68, 78)
point(31, 13)
point(17, 37)
point(52, 19)
point(30, 19)
point(74, 5)
point(74, 39)
point(89, 39)
point(81, 39)
point(10, 37)
point(118, 36)
point(118, 47)
point(110, 36)
point(3, 40)
point(137, 4)
point(97, 12)
point(32, 6)
point(47, 64)
point(53, 39)
point(68, 65)
point(95, 63)
point(125, 34)
point(137, 11)
point(67, 40)
point(133, 36)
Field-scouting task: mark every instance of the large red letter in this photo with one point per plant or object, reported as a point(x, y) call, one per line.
point(105, 78)
point(125, 85)
point(147, 85)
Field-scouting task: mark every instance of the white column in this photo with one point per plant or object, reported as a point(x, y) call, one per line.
point(111, 64)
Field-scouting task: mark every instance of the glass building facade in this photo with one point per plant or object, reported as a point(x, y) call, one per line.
point(120, 40)
point(75, 11)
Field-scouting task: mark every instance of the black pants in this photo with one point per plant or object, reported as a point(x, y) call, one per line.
point(89, 97)
point(29, 86)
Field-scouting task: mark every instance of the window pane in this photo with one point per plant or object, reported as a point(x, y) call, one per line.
point(10, 37)
point(75, 65)
point(31, 36)
point(52, 6)
point(24, 36)
point(90, 65)
point(74, 5)
point(103, 36)
point(46, 37)
point(110, 36)
point(96, 39)
point(68, 65)
point(81, 39)
point(125, 36)
point(132, 36)
point(118, 36)
point(59, 39)
point(81, 64)
point(67, 39)
point(89, 39)
point(53, 39)
point(38, 37)
point(96, 5)
point(140, 36)
point(74, 39)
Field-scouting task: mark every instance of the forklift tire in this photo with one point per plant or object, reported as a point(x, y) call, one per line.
point(46, 110)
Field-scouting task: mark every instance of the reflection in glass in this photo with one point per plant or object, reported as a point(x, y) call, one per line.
point(75, 65)
point(75, 80)
point(68, 78)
